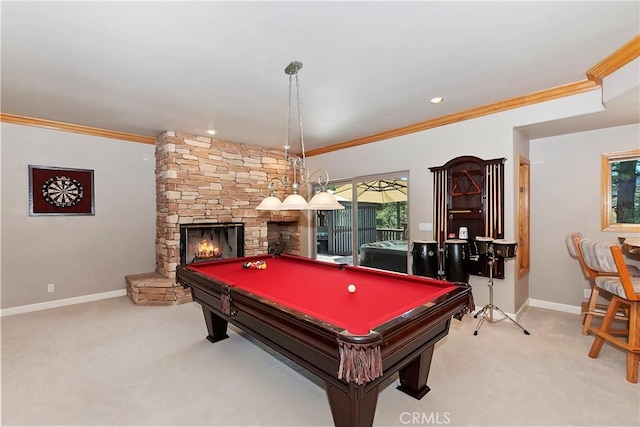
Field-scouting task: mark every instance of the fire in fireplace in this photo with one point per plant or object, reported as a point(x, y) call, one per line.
point(206, 250)
point(211, 241)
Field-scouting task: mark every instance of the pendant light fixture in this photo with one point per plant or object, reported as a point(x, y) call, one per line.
point(323, 200)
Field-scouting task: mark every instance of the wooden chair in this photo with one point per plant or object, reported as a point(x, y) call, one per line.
point(592, 308)
point(607, 258)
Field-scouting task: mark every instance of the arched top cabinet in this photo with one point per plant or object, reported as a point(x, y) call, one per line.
point(469, 194)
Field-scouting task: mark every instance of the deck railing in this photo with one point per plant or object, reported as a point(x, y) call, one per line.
point(383, 234)
point(338, 242)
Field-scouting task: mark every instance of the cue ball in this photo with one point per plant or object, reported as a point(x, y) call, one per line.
point(351, 288)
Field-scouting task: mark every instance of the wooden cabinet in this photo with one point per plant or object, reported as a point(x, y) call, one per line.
point(469, 193)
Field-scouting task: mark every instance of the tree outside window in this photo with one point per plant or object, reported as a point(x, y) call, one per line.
point(621, 191)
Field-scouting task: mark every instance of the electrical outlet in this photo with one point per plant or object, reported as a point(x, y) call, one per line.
point(587, 293)
point(51, 287)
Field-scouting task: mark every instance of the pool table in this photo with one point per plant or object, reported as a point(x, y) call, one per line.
point(352, 340)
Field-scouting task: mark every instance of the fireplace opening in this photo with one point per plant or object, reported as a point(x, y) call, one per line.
point(211, 241)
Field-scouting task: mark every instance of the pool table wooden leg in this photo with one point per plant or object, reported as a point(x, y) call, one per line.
point(413, 377)
point(216, 325)
point(353, 409)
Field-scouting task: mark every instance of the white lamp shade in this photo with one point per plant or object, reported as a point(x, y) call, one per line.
point(271, 203)
point(323, 201)
point(294, 202)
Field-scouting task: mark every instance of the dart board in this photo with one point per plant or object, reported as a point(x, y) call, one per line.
point(60, 191)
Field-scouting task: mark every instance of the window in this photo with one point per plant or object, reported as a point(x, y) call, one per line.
point(621, 191)
point(372, 229)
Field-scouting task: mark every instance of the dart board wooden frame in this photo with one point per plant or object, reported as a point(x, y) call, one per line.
point(60, 191)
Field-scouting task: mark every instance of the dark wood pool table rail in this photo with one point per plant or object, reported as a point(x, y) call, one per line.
point(406, 342)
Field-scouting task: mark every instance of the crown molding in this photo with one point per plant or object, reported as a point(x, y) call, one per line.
point(496, 107)
point(616, 60)
point(85, 130)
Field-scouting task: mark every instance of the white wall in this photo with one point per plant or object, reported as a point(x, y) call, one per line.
point(485, 137)
point(624, 80)
point(81, 255)
point(565, 197)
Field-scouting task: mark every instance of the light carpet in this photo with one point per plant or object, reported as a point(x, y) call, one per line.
point(113, 363)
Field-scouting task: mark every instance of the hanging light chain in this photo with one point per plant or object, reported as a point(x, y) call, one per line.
point(298, 164)
point(304, 159)
point(286, 137)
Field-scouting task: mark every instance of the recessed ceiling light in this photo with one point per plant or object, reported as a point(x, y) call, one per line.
point(436, 100)
point(212, 131)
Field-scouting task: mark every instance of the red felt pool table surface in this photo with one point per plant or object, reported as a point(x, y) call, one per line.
point(319, 289)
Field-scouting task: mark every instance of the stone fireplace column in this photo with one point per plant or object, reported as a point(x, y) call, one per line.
point(200, 179)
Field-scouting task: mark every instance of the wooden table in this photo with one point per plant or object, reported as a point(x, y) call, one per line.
point(631, 247)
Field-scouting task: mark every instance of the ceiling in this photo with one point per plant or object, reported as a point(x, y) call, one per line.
point(148, 67)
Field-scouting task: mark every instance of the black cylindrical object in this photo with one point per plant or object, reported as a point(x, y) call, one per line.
point(456, 260)
point(425, 258)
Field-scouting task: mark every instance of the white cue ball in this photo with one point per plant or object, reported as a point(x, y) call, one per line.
point(351, 288)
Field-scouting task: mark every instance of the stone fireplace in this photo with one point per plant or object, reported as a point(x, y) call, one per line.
point(201, 242)
point(205, 180)
point(283, 237)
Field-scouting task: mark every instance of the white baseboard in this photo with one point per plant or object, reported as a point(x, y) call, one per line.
point(566, 308)
point(122, 292)
point(61, 302)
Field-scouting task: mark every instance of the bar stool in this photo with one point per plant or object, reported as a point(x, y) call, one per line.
point(593, 308)
point(607, 258)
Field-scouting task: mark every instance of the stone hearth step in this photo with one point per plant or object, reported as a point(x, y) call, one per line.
point(155, 289)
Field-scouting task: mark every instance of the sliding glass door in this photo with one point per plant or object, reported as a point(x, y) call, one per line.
point(372, 229)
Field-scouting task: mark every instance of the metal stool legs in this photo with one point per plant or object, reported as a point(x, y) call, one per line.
point(487, 310)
